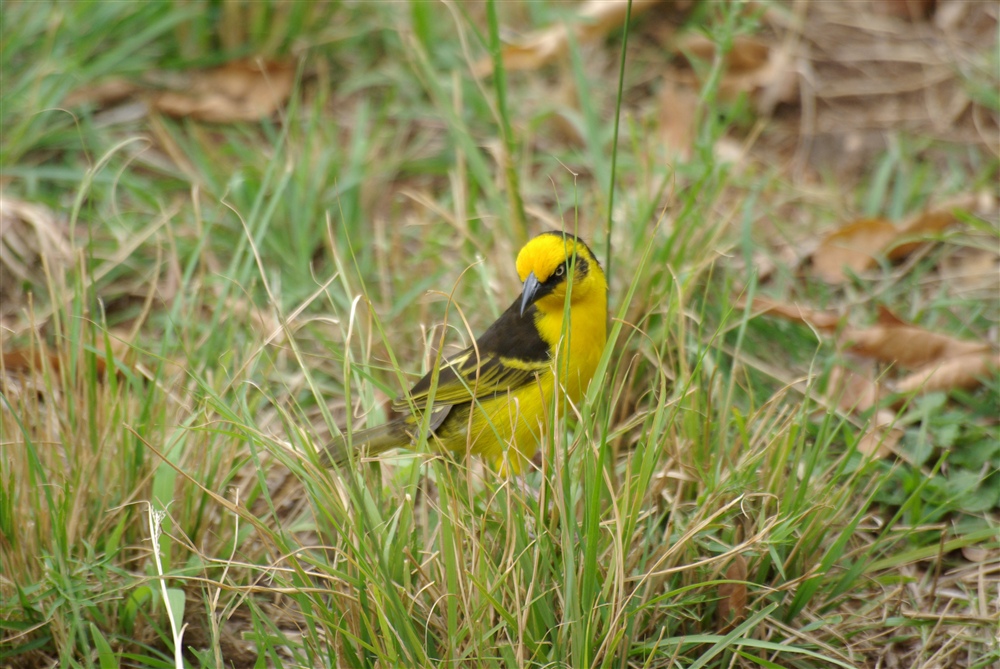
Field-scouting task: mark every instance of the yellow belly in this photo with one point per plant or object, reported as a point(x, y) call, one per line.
point(508, 429)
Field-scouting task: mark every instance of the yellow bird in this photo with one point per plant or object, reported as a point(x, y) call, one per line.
point(494, 398)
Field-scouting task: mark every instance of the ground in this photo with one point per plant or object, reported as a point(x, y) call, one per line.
point(232, 230)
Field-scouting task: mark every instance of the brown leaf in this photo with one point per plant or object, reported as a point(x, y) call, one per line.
point(913, 10)
point(34, 249)
point(895, 341)
point(857, 245)
point(821, 320)
point(962, 371)
point(852, 391)
point(752, 66)
point(28, 233)
point(596, 18)
point(881, 439)
point(23, 362)
point(887, 318)
point(746, 55)
point(979, 554)
point(927, 223)
point(29, 361)
point(854, 246)
point(103, 94)
point(678, 104)
point(733, 602)
point(971, 270)
point(241, 90)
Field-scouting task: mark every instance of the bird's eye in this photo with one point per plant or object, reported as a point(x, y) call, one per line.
point(560, 270)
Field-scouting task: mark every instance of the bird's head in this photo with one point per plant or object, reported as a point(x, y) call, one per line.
point(545, 265)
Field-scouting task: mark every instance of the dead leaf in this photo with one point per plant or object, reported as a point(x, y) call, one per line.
point(752, 67)
point(927, 223)
point(746, 57)
point(961, 371)
point(887, 318)
point(34, 249)
point(854, 247)
point(881, 439)
point(28, 232)
point(821, 320)
point(33, 361)
point(913, 10)
point(852, 391)
point(971, 270)
point(562, 128)
point(594, 20)
point(733, 602)
point(29, 361)
point(858, 245)
point(892, 340)
point(103, 94)
point(678, 120)
point(856, 393)
point(942, 362)
point(747, 53)
point(979, 554)
point(895, 341)
point(241, 90)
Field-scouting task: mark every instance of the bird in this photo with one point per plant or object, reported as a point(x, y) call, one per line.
point(494, 398)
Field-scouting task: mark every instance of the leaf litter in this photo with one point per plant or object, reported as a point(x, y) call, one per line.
point(817, 70)
point(240, 90)
point(861, 244)
point(938, 361)
point(733, 596)
point(593, 20)
point(34, 246)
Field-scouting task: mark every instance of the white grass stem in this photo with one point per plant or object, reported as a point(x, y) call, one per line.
point(156, 517)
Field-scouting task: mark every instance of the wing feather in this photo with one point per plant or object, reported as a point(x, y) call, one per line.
point(509, 355)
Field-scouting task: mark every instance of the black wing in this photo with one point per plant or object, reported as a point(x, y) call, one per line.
point(507, 356)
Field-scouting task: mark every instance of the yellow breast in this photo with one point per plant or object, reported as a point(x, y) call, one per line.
point(579, 344)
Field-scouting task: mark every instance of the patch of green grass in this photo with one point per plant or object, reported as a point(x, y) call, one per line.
point(260, 286)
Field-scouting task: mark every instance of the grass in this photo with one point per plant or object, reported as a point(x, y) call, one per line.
point(256, 287)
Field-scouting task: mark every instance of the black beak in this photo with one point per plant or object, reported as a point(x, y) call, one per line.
point(529, 292)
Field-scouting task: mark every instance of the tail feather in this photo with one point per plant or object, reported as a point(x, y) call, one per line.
point(368, 442)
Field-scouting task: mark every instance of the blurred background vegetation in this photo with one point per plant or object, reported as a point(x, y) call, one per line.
point(230, 229)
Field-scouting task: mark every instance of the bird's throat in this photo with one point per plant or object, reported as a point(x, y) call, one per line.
point(578, 336)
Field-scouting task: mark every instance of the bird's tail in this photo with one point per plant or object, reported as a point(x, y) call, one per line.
point(375, 440)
